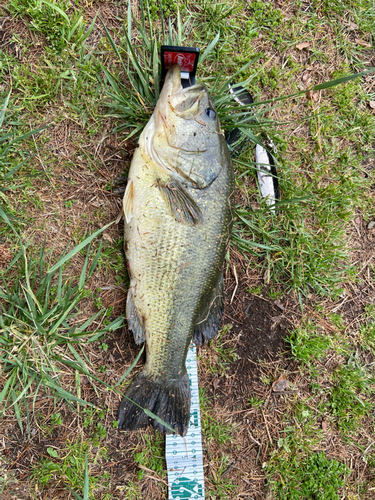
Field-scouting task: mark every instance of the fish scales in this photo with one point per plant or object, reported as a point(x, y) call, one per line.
point(178, 209)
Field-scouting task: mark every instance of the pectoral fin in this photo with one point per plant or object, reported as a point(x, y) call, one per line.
point(181, 204)
point(128, 201)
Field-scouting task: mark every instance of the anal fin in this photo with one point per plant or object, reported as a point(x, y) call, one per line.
point(208, 321)
point(135, 321)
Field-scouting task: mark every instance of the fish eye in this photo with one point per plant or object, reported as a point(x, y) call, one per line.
point(210, 113)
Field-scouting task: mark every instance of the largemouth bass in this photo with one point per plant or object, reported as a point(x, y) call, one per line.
point(178, 219)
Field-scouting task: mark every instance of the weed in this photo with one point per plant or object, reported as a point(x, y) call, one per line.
point(131, 491)
point(112, 258)
point(167, 7)
point(367, 330)
point(91, 415)
point(265, 15)
point(69, 466)
point(308, 344)
point(337, 320)
point(255, 402)
point(311, 477)
point(50, 19)
point(152, 455)
point(301, 432)
point(212, 429)
point(348, 402)
point(218, 17)
point(224, 487)
point(223, 356)
point(99, 434)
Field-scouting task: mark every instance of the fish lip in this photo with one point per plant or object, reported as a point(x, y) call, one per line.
point(173, 86)
point(172, 82)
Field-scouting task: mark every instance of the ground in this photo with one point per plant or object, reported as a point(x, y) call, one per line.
point(287, 388)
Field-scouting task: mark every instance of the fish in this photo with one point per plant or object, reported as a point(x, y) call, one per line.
point(178, 208)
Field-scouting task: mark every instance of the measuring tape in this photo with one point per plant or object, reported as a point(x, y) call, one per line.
point(184, 455)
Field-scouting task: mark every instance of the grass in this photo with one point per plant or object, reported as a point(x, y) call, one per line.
point(150, 454)
point(70, 465)
point(309, 344)
point(9, 165)
point(213, 430)
point(39, 327)
point(90, 73)
point(314, 477)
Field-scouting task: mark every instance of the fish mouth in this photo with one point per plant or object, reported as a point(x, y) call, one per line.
point(175, 103)
point(172, 83)
point(173, 78)
point(183, 102)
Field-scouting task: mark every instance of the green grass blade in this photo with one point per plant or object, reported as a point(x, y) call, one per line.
point(57, 9)
point(8, 386)
point(24, 391)
point(65, 394)
point(130, 20)
point(78, 248)
point(301, 199)
point(74, 27)
point(130, 367)
point(96, 259)
point(141, 74)
point(209, 49)
point(343, 79)
point(82, 278)
point(78, 497)
point(142, 9)
point(4, 216)
point(179, 28)
point(158, 419)
point(253, 243)
point(112, 82)
point(86, 481)
point(224, 86)
point(162, 20)
point(87, 323)
point(17, 410)
point(63, 316)
point(89, 31)
point(3, 109)
point(114, 46)
point(170, 32)
point(155, 60)
point(28, 134)
point(59, 286)
point(150, 24)
point(77, 357)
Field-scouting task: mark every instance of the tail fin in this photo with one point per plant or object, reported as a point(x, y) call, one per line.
point(169, 399)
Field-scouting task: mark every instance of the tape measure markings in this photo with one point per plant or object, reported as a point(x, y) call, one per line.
point(185, 455)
